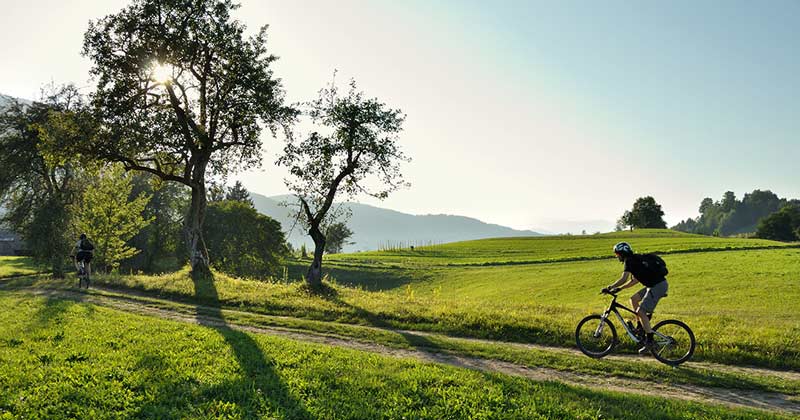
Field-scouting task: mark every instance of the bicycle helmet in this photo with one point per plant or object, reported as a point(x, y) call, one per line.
point(622, 250)
point(83, 236)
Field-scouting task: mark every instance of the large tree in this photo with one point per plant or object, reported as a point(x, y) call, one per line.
point(182, 94)
point(646, 213)
point(37, 189)
point(359, 142)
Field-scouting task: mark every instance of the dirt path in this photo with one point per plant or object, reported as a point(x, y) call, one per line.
point(728, 397)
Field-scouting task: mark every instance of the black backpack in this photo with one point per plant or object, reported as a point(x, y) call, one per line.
point(655, 266)
point(86, 245)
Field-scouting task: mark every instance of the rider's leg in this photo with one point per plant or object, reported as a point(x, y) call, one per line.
point(642, 314)
point(636, 299)
point(648, 305)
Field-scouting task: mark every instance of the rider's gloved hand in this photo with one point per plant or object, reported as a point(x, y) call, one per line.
point(605, 290)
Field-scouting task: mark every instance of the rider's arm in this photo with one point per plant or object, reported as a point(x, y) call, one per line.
point(632, 282)
point(622, 280)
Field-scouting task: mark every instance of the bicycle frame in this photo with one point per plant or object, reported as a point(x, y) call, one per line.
point(613, 308)
point(82, 274)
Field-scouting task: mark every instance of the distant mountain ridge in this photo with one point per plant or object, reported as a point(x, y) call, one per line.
point(376, 227)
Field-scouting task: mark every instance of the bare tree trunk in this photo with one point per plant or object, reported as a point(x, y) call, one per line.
point(314, 274)
point(57, 266)
point(198, 254)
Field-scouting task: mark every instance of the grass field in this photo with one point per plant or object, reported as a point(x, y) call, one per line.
point(550, 248)
point(64, 359)
point(742, 304)
point(17, 266)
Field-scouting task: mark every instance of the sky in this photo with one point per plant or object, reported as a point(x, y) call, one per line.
point(551, 116)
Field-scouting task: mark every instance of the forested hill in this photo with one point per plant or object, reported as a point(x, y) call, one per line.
point(731, 216)
point(375, 227)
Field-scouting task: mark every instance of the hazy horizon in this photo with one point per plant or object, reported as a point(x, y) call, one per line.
point(527, 115)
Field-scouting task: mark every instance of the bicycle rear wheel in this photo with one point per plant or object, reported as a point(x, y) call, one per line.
point(595, 336)
point(673, 342)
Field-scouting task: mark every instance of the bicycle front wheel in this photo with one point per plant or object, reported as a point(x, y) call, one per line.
point(596, 337)
point(673, 342)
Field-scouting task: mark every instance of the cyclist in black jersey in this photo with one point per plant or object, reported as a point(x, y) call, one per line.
point(84, 250)
point(645, 300)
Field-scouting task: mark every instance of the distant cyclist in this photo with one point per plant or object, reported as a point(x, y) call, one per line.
point(84, 250)
point(650, 271)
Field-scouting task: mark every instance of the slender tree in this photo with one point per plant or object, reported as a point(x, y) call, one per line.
point(239, 193)
point(181, 94)
point(109, 217)
point(336, 237)
point(360, 142)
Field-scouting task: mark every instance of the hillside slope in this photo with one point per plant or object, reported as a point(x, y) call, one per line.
point(375, 227)
point(497, 251)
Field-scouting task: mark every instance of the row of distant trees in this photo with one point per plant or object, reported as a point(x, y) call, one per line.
point(761, 213)
point(731, 216)
point(183, 97)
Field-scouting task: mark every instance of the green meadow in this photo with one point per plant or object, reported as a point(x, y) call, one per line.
point(741, 303)
point(62, 359)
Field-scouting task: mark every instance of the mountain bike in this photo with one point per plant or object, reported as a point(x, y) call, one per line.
point(673, 341)
point(83, 275)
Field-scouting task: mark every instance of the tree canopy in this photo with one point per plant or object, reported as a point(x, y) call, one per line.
point(181, 93)
point(110, 217)
point(731, 216)
point(336, 237)
point(239, 193)
point(646, 213)
point(783, 225)
point(242, 241)
point(37, 189)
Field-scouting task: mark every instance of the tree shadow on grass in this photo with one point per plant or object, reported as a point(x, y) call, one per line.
point(54, 308)
point(414, 340)
point(369, 278)
point(260, 382)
